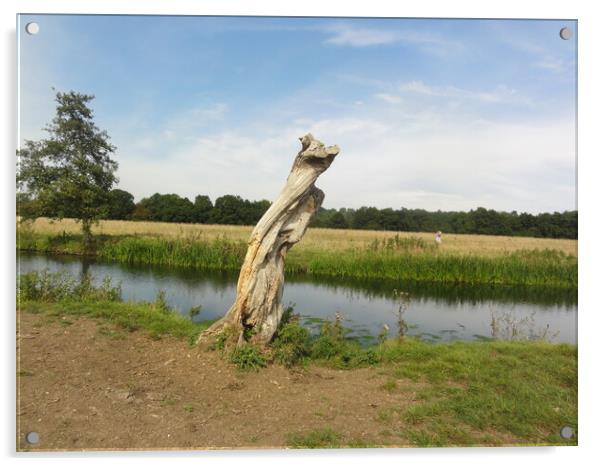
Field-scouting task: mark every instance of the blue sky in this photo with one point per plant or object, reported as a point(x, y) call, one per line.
point(434, 114)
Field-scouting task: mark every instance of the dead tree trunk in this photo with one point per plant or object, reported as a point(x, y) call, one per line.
point(255, 314)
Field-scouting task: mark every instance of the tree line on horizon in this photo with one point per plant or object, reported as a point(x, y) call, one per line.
point(234, 210)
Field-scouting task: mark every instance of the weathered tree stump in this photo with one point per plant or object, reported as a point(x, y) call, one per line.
point(258, 309)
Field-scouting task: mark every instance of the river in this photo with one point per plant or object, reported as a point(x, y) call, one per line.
point(434, 312)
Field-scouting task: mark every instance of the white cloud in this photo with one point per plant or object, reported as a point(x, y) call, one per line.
point(360, 37)
point(554, 64)
point(444, 162)
point(352, 35)
point(403, 148)
point(390, 98)
point(544, 57)
point(500, 93)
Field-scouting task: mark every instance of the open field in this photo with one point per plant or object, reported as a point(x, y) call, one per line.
point(316, 239)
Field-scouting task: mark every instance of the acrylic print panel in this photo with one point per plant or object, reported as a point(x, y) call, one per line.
point(395, 199)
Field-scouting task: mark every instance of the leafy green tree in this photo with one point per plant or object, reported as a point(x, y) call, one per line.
point(121, 205)
point(228, 210)
point(338, 220)
point(169, 208)
point(202, 209)
point(71, 173)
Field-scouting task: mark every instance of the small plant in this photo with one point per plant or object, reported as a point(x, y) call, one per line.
point(292, 344)
point(225, 338)
point(219, 342)
point(383, 334)
point(403, 300)
point(161, 302)
point(319, 438)
point(194, 311)
point(508, 326)
point(368, 357)
point(247, 357)
point(389, 386)
point(288, 315)
point(188, 408)
point(248, 333)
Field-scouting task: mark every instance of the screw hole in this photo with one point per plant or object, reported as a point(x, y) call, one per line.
point(32, 437)
point(566, 33)
point(32, 28)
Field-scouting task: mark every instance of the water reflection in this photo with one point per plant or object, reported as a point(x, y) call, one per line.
point(434, 311)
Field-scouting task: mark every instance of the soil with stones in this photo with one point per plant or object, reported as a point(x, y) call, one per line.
point(84, 384)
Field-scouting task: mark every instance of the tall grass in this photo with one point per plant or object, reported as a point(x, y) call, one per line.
point(62, 294)
point(393, 258)
point(545, 268)
point(216, 254)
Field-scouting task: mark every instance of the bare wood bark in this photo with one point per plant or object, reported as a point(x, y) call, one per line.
point(258, 306)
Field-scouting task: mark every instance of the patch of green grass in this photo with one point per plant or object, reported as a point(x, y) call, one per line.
point(389, 386)
point(318, 438)
point(384, 415)
point(129, 316)
point(59, 294)
point(525, 389)
point(111, 333)
point(362, 443)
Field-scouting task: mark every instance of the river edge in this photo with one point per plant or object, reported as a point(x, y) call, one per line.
point(476, 393)
point(408, 259)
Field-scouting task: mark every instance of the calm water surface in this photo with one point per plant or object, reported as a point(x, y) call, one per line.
point(435, 312)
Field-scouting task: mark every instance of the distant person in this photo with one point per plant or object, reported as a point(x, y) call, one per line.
point(438, 237)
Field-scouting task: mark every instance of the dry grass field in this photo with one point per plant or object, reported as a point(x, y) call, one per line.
point(316, 238)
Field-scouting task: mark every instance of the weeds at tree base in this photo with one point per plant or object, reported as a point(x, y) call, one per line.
point(248, 357)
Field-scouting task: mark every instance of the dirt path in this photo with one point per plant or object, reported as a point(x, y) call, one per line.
point(84, 385)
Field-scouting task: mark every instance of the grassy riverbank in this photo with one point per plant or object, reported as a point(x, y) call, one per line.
point(462, 393)
point(332, 253)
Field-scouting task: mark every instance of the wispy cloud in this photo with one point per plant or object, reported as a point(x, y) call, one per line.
point(444, 161)
point(500, 93)
point(542, 56)
point(390, 98)
point(346, 34)
point(551, 63)
point(343, 34)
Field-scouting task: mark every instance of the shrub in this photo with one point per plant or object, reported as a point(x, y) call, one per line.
point(161, 302)
point(325, 347)
point(194, 311)
point(292, 344)
point(247, 357)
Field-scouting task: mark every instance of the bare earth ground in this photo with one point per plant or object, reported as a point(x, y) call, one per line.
point(83, 385)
